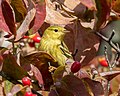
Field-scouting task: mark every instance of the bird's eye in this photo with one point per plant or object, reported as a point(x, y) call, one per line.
point(56, 30)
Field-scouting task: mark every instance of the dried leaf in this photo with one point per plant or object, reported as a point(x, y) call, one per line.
point(8, 16)
point(89, 3)
point(55, 17)
point(40, 16)
point(83, 40)
point(115, 84)
point(10, 67)
point(25, 24)
point(77, 8)
point(73, 85)
point(37, 74)
point(19, 9)
point(110, 75)
point(40, 60)
point(16, 88)
point(3, 25)
point(60, 91)
point(116, 5)
point(95, 87)
point(83, 74)
point(102, 14)
point(80, 87)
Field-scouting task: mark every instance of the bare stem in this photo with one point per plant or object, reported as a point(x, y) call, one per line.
point(13, 45)
point(116, 47)
point(109, 40)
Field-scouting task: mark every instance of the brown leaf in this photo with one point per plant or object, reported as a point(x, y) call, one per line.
point(16, 88)
point(19, 9)
point(115, 84)
point(73, 85)
point(89, 3)
point(37, 74)
point(83, 40)
point(95, 87)
point(55, 17)
point(81, 87)
point(39, 17)
point(116, 5)
point(83, 74)
point(8, 16)
point(11, 68)
point(103, 12)
point(110, 75)
point(40, 60)
point(76, 8)
point(60, 91)
point(24, 27)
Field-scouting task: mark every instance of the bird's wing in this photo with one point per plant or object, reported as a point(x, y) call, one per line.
point(65, 50)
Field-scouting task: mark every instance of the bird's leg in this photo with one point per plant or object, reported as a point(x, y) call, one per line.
point(51, 68)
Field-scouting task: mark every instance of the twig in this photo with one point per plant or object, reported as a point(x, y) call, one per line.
point(116, 47)
point(109, 41)
point(110, 67)
point(74, 54)
point(106, 56)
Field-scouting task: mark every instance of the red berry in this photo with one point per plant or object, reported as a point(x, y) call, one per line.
point(26, 81)
point(103, 61)
point(25, 37)
point(28, 94)
point(31, 44)
point(36, 38)
point(34, 94)
point(75, 67)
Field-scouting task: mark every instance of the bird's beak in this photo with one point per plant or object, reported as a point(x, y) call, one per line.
point(66, 31)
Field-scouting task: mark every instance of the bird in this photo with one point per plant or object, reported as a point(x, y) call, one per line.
point(52, 42)
point(112, 26)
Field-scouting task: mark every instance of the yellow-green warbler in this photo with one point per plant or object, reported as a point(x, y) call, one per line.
point(52, 43)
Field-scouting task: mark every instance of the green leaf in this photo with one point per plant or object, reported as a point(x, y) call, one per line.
point(7, 86)
point(58, 74)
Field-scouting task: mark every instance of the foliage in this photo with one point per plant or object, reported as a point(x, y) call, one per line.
point(91, 23)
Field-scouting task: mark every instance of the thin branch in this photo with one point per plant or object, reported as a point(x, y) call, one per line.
point(106, 56)
point(109, 41)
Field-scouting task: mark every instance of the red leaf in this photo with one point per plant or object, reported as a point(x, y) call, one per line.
point(103, 12)
point(3, 25)
point(8, 16)
point(39, 17)
point(37, 74)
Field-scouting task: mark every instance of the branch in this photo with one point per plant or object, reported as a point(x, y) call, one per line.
point(109, 40)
